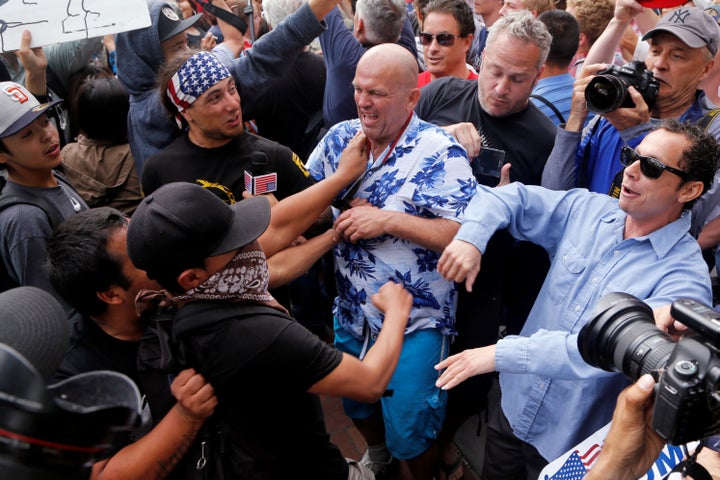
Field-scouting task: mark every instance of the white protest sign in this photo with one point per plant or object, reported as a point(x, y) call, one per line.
point(574, 464)
point(54, 21)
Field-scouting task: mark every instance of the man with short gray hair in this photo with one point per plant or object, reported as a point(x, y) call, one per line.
point(375, 22)
point(494, 113)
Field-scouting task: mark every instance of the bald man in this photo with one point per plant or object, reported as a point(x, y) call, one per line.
point(393, 224)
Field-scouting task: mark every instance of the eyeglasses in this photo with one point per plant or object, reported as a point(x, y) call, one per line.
point(443, 39)
point(649, 166)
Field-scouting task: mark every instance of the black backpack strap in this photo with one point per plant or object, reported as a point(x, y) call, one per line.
point(549, 104)
point(8, 200)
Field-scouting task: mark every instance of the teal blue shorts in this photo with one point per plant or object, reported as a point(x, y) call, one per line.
point(413, 407)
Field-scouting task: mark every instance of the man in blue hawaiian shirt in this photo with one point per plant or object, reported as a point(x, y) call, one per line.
point(393, 224)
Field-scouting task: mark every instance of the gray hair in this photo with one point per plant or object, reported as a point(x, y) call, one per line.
point(275, 11)
point(383, 19)
point(525, 27)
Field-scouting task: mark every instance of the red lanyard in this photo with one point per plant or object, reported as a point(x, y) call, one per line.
point(394, 142)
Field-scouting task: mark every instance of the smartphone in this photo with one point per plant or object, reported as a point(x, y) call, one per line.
point(488, 162)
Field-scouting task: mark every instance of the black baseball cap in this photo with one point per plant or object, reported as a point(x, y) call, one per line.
point(184, 221)
point(171, 23)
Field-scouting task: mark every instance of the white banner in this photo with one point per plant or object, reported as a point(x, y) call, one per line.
point(574, 464)
point(54, 21)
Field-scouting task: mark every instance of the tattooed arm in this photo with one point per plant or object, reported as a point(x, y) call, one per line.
point(155, 455)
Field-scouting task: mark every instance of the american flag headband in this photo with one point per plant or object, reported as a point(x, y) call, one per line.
point(193, 78)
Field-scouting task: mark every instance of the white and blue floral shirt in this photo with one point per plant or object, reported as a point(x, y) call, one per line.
point(427, 174)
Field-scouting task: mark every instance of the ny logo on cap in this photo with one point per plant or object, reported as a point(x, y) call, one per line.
point(170, 14)
point(16, 93)
point(679, 16)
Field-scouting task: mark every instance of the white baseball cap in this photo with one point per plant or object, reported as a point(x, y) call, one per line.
point(19, 108)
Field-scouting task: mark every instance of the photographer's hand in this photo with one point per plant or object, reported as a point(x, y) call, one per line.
point(578, 105)
point(665, 322)
point(623, 118)
point(632, 445)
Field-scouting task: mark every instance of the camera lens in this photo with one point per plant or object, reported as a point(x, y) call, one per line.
point(604, 93)
point(623, 337)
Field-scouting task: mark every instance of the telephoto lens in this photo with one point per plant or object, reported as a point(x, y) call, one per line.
point(622, 337)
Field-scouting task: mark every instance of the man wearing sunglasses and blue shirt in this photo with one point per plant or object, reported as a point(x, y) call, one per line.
point(683, 45)
point(638, 244)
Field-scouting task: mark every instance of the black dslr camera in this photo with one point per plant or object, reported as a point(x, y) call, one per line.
point(56, 432)
point(608, 90)
point(623, 338)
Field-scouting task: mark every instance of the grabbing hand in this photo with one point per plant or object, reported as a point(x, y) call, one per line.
point(271, 197)
point(361, 222)
point(467, 135)
point(354, 159)
point(195, 397)
point(460, 261)
point(208, 42)
point(394, 301)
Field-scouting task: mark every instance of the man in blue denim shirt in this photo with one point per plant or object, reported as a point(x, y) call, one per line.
point(638, 244)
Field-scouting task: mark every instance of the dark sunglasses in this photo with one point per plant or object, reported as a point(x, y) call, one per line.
point(649, 166)
point(443, 39)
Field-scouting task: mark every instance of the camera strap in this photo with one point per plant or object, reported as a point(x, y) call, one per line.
point(689, 467)
point(225, 15)
point(550, 106)
point(583, 174)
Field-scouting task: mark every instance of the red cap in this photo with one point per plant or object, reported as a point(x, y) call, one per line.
point(661, 3)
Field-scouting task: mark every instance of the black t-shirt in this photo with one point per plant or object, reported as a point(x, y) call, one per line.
point(222, 169)
point(93, 349)
point(261, 367)
point(527, 137)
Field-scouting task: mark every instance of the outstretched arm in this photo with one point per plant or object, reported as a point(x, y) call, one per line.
point(466, 364)
point(293, 215)
point(367, 380)
point(460, 261)
point(287, 265)
point(155, 455)
point(35, 64)
point(603, 50)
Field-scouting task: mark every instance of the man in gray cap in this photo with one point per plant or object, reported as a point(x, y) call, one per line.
point(29, 154)
point(683, 45)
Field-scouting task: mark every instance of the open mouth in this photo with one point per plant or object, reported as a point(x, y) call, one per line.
point(53, 151)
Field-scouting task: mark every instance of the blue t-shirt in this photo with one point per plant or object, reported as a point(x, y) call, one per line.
point(557, 90)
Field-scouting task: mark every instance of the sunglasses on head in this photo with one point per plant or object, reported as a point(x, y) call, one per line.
point(649, 166)
point(443, 39)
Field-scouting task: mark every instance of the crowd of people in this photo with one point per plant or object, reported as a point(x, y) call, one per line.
point(418, 212)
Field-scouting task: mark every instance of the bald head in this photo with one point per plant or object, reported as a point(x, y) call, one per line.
point(386, 93)
point(396, 61)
